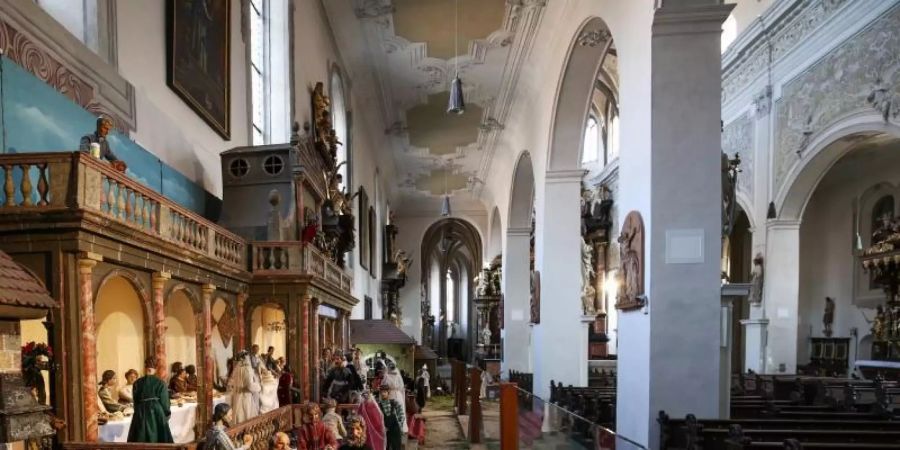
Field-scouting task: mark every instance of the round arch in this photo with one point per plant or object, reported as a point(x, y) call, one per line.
point(495, 244)
point(182, 326)
point(823, 152)
point(521, 197)
point(587, 51)
point(268, 327)
point(123, 334)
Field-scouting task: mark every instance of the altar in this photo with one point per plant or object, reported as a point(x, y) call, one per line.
point(182, 423)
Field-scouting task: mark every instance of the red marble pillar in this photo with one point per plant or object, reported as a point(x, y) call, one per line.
point(206, 384)
point(159, 323)
point(242, 327)
point(339, 331)
point(315, 345)
point(86, 263)
point(304, 347)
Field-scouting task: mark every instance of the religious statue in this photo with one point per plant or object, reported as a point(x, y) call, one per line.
point(631, 256)
point(486, 335)
point(99, 138)
point(828, 317)
point(483, 282)
point(730, 170)
point(588, 293)
point(535, 297)
point(756, 281)
point(596, 210)
point(403, 261)
point(878, 324)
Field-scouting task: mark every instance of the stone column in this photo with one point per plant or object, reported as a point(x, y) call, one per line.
point(86, 263)
point(315, 346)
point(781, 297)
point(670, 349)
point(558, 258)
point(304, 348)
point(206, 383)
point(516, 300)
point(159, 322)
point(239, 316)
point(755, 343)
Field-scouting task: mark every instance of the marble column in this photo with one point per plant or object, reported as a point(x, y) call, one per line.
point(669, 351)
point(781, 297)
point(239, 316)
point(304, 347)
point(86, 263)
point(315, 346)
point(516, 280)
point(159, 322)
point(206, 382)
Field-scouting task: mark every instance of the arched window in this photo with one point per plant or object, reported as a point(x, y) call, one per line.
point(451, 297)
point(612, 146)
point(592, 141)
point(341, 129)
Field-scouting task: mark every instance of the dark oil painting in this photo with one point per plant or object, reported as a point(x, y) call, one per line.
point(198, 45)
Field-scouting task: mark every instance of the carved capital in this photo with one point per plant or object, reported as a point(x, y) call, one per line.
point(207, 290)
point(160, 278)
point(87, 261)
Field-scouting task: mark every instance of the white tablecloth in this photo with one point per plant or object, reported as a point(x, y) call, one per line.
point(181, 423)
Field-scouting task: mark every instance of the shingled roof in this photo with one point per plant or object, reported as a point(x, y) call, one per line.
point(377, 332)
point(18, 287)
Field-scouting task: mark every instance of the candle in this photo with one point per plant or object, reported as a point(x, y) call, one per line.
point(95, 150)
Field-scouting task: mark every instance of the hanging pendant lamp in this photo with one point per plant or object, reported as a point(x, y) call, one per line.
point(456, 105)
point(445, 205)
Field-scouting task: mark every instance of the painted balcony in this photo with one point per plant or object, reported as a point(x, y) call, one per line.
point(280, 258)
point(75, 190)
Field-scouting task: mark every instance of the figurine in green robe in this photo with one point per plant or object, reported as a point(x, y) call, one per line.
point(151, 408)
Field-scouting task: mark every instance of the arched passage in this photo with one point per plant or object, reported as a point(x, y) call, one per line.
point(268, 328)
point(121, 327)
point(450, 246)
point(181, 328)
point(824, 223)
point(517, 269)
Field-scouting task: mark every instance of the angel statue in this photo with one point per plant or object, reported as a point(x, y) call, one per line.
point(403, 262)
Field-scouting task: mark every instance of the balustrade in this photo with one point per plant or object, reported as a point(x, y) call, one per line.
point(75, 180)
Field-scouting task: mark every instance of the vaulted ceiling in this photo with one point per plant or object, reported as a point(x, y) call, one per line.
point(413, 48)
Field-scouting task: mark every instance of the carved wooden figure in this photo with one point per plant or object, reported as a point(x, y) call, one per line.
point(631, 250)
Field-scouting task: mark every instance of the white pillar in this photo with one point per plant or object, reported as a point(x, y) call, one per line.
point(669, 358)
point(781, 294)
point(559, 261)
point(516, 300)
point(755, 342)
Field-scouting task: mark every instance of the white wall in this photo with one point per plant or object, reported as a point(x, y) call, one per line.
point(166, 125)
point(827, 264)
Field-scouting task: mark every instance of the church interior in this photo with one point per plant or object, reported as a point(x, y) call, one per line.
point(487, 224)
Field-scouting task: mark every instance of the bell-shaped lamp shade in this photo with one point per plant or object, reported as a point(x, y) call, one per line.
point(445, 206)
point(456, 105)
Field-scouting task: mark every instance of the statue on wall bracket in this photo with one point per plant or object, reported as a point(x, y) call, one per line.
point(630, 295)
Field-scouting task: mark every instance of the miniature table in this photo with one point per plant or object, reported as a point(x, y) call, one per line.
point(181, 423)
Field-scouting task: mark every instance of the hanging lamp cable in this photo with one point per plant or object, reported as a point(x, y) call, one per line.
point(456, 35)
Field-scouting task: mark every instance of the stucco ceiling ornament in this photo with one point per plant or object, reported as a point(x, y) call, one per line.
point(593, 38)
point(884, 100)
point(490, 124)
point(370, 9)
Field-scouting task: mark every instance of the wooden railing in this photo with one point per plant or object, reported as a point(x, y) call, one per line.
point(126, 446)
point(75, 180)
point(296, 258)
point(264, 427)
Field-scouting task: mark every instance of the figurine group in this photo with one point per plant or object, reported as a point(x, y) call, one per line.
point(886, 234)
point(97, 144)
point(886, 325)
point(488, 281)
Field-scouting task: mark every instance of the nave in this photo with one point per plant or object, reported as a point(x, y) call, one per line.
point(401, 224)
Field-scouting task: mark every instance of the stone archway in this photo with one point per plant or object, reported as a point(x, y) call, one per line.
point(517, 269)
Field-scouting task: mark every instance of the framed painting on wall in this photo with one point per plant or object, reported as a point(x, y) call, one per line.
point(198, 65)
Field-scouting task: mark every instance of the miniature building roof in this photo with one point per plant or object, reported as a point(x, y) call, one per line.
point(377, 332)
point(425, 353)
point(256, 149)
point(18, 287)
